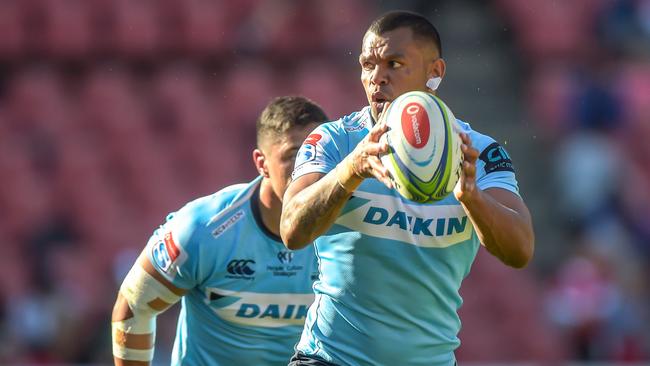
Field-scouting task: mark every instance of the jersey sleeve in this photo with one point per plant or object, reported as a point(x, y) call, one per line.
point(494, 168)
point(172, 249)
point(319, 153)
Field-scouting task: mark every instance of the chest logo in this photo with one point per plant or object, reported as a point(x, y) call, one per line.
point(285, 256)
point(241, 268)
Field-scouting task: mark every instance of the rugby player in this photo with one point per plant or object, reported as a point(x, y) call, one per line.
point(244, 295)
point(391, 269)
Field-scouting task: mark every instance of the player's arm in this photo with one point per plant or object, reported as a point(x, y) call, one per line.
point(144, 294)
point(313, 201)
point(500, 217)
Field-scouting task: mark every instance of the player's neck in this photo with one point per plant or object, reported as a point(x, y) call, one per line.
point(270, 207)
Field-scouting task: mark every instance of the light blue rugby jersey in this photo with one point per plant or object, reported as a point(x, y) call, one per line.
point(248, 295)
point(390, 269)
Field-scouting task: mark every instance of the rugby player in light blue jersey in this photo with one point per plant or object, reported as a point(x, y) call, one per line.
point(391, 269)
point(244, 295)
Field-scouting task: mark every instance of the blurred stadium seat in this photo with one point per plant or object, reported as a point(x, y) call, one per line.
point(67, 28)
point(12, 27)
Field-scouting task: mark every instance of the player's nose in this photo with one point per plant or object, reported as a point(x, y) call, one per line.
point(379, 76)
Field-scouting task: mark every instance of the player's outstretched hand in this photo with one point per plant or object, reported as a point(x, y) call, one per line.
point(365, 157)
point(466, 188)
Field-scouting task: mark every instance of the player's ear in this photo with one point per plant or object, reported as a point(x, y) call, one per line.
point(437, 68)
point(260, 163)
point(435, 73)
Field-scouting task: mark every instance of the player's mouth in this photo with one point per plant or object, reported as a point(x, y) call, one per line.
point(379, 100)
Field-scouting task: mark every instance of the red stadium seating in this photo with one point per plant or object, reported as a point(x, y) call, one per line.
point(12, 28)
point(67, 29)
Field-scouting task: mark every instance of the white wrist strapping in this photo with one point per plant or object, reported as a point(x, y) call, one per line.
point(139, 289)
point(124, 353)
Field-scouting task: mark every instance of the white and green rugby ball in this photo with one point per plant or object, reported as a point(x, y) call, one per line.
point(424, 156)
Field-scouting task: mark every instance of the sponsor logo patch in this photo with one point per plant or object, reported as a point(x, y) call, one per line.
point(260, 309)
point(170, 245)
point(232, 220)
point(166, 253)
point(161, 256)
point(308, 153)
point(313, 139)
point(285, 256)
point(358, 127)
point(433, 226)
point(496, 159)
point(285, 269)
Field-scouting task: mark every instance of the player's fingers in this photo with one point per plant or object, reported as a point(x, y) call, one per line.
point(376, 148)
point(376, 165)
point(469, 170)
point(469, 153)
point(376, 132)
point(469, 183)
point(465, 138)
point(382, 177)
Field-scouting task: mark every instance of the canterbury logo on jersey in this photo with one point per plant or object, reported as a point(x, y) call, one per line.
point(241, 267)
point(259, 309)
point(422, 225)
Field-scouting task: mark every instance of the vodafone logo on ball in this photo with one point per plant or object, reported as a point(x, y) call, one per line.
point(415, 125)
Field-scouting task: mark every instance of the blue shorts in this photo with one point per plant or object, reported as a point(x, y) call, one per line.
point(301, 359)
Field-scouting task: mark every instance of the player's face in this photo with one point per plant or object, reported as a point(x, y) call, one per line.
point(281, 156)
point(394, 63)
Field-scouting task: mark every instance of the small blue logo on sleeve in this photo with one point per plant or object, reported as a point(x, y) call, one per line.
point(496, 159)
point(308, 153)
point(161, 257)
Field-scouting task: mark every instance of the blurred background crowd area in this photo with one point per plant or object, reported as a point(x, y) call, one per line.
point(114, 113)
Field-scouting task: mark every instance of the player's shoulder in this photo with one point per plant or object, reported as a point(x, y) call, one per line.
point(356, 122)
point(203, 212)
point(492, 156)
point(178, 245)
point(353, 123)
point(480, 141)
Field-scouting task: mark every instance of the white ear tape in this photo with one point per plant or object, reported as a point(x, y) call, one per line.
point(434, 82)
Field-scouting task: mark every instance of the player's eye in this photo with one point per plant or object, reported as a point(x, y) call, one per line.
point(368, 66)
point(394, 64)
point(290, 155)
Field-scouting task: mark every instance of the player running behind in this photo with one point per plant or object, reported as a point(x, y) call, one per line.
point(244, 295)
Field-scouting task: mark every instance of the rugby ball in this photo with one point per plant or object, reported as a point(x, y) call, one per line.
point(424, 158)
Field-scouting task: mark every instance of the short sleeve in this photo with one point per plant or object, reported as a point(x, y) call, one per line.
point(494, 169)
point(172, 249)
point(318, 154)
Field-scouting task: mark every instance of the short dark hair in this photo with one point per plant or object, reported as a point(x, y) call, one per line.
point(284, 113)
point(419, 25)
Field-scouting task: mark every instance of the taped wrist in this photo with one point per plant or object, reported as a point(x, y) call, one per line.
point(146, 297)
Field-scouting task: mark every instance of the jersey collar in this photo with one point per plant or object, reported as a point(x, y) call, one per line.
point(257, 215)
